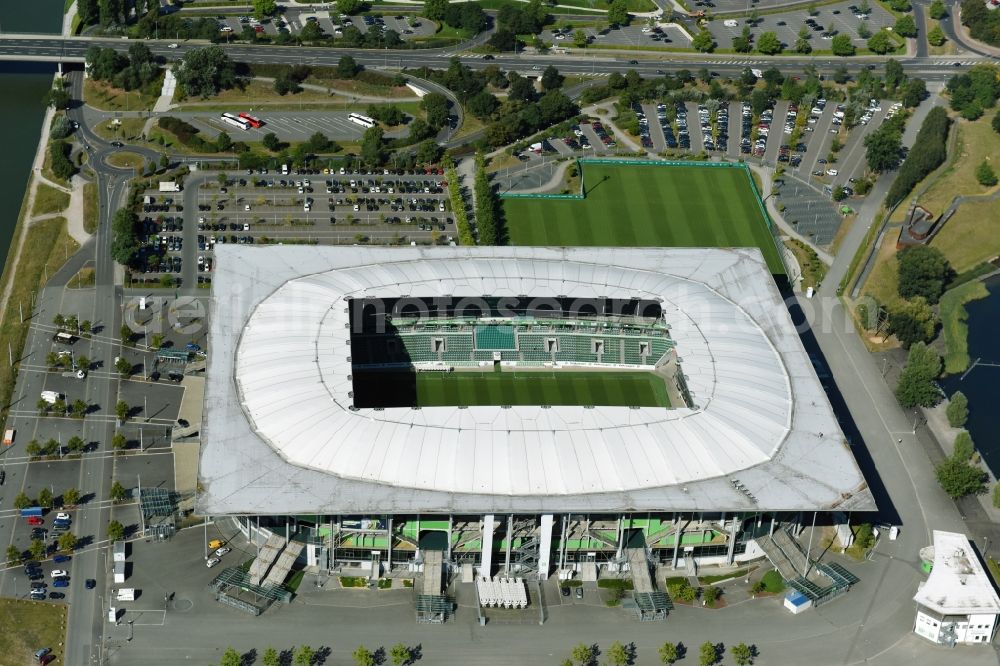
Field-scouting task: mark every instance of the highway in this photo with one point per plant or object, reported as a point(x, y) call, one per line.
point(55, 48)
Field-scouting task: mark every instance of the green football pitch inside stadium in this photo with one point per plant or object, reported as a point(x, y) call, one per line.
point(469, 388)
point(649, 206)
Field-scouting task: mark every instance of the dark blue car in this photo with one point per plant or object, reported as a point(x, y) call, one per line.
point(61, 558)
point(61, 582)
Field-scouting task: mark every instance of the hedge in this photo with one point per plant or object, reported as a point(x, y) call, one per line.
point(928, 153)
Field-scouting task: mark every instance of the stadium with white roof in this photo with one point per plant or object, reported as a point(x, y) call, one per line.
point(749, 437)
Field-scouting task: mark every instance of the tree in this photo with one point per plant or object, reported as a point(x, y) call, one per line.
point(121, 410)
point(883, 148)
point(22, 501)
point(304, 655)
point(802, 44)
point(710, 595)
point(13, 555)
point(67, 541)
point(33, 449)
point(916, 382)
point(311, 32)
point(900, 5)
point(958, 478)
point(71, 496)
point(264, 8)
point(743, 43)
point(742, 654)
point(935, 36)
point(124, 367)
point(551, 78)
point(271, 142)
point(841, 45)
point(118, 441)
point(914, 92)
point(985, 175)
point(435, 106)
point(583, 654)
point(618, 12)
point(811, 9)
point(703, 41)
point(937, 10)
point(618, 654)
point(963, 447)
point(913, 321)
point(117, 492)
point(347, 67)
point(45, 498)
point(116, 532)
point(363, 656)
point(958, 410)
point(206, 71)
point(400, 654)
point(906, 26)
point(372, 150)
point(37, 549)
point(864, 32)
point(580, 39)
point(880, 42)
point(435, 9)
point(482, 105)
point(668, 653)
point(75, 444)
point(59, 98)
point(894, 74)
point(769, 44)
point(923, 271)
point(61, 127)
point(708, 654)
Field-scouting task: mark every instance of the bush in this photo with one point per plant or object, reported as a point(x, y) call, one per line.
point(963, 447)
point(61, 128)
point(985, 174)
point(958, 478)
point(187, 134)
point(62, 165)
point(927, 154)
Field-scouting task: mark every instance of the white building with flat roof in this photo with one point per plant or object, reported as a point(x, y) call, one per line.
point(957, 603)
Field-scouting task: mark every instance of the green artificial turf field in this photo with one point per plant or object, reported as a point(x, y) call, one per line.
point(648, 206)
point(439, 389)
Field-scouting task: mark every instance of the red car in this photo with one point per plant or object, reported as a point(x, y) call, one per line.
point(35, 520)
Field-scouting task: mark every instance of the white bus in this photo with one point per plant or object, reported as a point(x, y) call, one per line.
point(359, 119)
point(235, 121)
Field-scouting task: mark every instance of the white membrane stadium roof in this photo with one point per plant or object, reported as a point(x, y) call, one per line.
point(278, 436)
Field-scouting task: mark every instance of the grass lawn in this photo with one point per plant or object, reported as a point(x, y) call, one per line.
point(948, 48)
point(126, 159)
point(739, 573)
point(968, 239)
point(129, 128)
point(954, 326)
point(49, 200)
point(649, 206)
point(883, 281)
point(438, 389)
point(28, 626)
point(90, 207)
point(105, 97)
point(85, 278)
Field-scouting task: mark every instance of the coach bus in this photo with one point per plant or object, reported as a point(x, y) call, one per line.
point(235, 121)
point(359, 119)
point(254, 122)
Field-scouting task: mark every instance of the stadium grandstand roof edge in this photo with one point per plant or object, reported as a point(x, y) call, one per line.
point(280, 435)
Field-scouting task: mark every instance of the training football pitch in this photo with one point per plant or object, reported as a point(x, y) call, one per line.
point(468, 389)
point(649, 206)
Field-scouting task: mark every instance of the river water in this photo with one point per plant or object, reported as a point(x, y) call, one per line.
point(23, 87)
point(980, 385)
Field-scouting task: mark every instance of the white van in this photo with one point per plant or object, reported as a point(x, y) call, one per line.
point(730, 23)
point(51, 396)
point(125, 594)
point(284, 169)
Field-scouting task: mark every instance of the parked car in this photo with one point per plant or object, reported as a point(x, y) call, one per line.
point(579, 593)
point(212, 562)
point(222, 551)
point(63, 516)
point(56, 595)
point(59, 573)
point(61, 582)
point(61, 558)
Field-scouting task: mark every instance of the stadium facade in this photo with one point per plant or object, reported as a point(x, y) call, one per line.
point(290, 444)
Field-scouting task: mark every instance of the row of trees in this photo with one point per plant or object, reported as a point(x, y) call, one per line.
point(489, 211)
point(927, 154)
point(466, 16)
point(46, 499)
point(304, 655)
point(621, 654)
point(74, 445)
point(77, 409)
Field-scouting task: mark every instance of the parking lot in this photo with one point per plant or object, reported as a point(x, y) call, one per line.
point(305, 208)
point(292, 20)
point(636, 34)
point(286, 125)
point(829, 21)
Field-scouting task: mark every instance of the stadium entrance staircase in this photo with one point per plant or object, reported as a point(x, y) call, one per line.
point(284, 563)
point(265, 558)
point(650, 603)
point(828, 581)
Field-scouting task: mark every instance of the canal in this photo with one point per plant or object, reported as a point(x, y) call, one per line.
point(980, 385)
point(22, 107)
